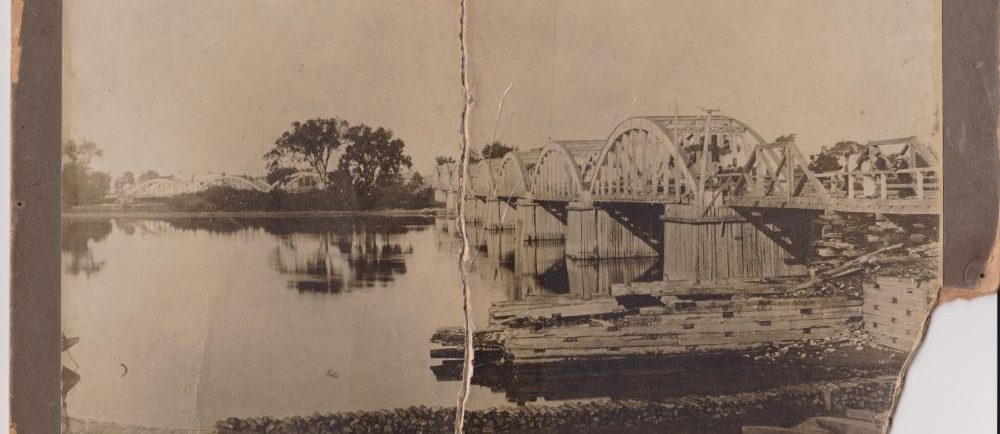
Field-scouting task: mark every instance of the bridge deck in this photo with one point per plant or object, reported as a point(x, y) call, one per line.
point(882, 206)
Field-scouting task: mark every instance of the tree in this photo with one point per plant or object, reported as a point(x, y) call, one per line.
point(474, 157)
point(80, 153)
point(148, 175)
point(124, 181)
point(417, 180)
point(372, 160)
point(80, 184)
point(279, 173)
point(312, 143)
point(828, 159)
point(443, 160)
point(495, 150)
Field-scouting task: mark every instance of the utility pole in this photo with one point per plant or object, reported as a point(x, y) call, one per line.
point(703, 159)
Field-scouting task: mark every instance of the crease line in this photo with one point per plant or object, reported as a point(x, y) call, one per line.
point(463, 258)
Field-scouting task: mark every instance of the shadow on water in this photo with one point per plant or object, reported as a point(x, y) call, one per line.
point(650, 378)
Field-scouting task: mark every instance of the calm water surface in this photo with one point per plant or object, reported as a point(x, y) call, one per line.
point(229, 317)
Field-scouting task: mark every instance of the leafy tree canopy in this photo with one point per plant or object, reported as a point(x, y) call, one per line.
point(279, 173)
point(312, 143)
point(495, 150)
point(374, 159)
point(443, 160)
point(474, 157)
point(80, 184)
point(80, 153)
point(127, 179)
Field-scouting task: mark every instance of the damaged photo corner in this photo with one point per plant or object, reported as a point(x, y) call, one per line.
point(544, 217)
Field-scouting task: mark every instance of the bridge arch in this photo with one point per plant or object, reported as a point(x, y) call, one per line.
point(652, 158)
point(481, 177)
point(514, 172)
point(445, 177)
point(232, 181)
point(299, 181)
point(560, 174)
point(157, 188)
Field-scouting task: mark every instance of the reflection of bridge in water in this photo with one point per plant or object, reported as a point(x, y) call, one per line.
point(541, 269)
point(708, 189)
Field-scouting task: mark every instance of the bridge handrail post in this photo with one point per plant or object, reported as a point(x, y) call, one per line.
point(919, 190)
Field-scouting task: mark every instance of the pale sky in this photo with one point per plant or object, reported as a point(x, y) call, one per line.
point(185, 86)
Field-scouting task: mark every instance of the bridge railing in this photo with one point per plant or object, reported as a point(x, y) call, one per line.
point(917, 183)
point(666, 188)
point(777, 174)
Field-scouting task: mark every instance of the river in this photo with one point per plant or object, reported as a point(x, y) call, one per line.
point(186, 321)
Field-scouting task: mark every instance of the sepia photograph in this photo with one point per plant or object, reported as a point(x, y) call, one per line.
point(558, 216)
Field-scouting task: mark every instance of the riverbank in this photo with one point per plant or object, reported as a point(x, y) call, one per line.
point(147, 213)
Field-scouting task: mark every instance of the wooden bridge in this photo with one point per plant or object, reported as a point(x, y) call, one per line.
point(726, 203)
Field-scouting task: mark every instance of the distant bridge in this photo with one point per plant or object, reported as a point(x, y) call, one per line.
point(161, 188)
point(726, 201)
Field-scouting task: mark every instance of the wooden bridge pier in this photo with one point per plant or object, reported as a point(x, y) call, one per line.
point(448, 198)
point(540, 221)
point(593, 279)
point(475, 210)
point(606, 231)
point(720, 242)
point(451, 202)
point(501, 214)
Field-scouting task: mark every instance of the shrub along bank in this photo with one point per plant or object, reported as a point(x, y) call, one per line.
point(403, 196)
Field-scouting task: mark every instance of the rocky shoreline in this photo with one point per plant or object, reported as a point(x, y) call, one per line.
point(686, 414)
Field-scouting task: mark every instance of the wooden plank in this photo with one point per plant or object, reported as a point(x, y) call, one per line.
point(659, 289)
point(533, 356)
point(560, 334)
point(748, 317)
point(757, 304)
point(682, 341)
point(592, 308)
